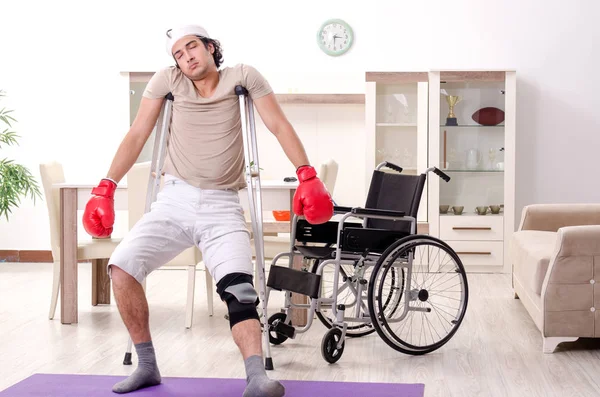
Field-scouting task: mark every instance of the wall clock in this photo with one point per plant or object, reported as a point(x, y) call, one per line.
point(335, 37)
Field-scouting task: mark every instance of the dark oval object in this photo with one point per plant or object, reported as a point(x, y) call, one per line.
point(488, 116)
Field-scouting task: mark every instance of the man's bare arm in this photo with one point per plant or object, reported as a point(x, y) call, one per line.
point(275, 120)
point(133, 143)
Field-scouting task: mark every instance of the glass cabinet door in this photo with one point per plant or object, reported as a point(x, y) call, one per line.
point(472, 143)
point(400, 110)
point(396, 137)
point(397, 124)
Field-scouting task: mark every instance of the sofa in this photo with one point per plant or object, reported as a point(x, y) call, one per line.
point(555, 256)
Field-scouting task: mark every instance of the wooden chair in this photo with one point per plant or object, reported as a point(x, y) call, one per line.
point(98, 251)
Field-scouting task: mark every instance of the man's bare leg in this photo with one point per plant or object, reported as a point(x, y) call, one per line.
point(133, 307)
point(247, 336)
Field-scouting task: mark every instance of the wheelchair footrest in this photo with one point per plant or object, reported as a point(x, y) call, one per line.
point(288, 279)
point(284, 329)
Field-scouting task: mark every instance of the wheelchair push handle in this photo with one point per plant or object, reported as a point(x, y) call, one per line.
point(389, 165)
point(441, 174)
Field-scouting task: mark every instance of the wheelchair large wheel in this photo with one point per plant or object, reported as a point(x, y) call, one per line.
point(429, 309)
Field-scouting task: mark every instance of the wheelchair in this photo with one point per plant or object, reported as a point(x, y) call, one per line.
point(367, 270)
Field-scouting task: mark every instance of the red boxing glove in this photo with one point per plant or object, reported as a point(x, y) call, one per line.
point(99, 214)
point(312, 198)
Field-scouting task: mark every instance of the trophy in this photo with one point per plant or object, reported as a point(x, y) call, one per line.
point(452, 101)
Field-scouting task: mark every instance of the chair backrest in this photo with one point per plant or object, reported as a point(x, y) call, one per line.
point(52, 173)
point(137, 188)
point(328, 174)
point(396, 192)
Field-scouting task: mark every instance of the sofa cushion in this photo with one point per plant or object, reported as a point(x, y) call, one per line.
point(530, 253)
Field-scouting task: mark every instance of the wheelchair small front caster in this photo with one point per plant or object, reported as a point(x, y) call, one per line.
point(329, 346)
point(279, 331)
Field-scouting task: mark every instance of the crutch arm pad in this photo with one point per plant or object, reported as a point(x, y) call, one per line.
point(240, 90)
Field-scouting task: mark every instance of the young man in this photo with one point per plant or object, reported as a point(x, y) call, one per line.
point(199, 203)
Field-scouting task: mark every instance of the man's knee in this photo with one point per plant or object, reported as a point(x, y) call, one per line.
point(118, 275)
point(237, 291)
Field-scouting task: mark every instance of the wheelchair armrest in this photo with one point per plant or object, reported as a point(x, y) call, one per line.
point(375, 212)
point(341, 210)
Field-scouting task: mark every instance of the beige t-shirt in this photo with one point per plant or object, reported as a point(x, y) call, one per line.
point(205, 147)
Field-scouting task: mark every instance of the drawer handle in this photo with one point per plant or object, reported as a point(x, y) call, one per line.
point(474, 253)
point(471, 228)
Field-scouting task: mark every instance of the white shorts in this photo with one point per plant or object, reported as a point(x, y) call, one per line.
point(183, 216)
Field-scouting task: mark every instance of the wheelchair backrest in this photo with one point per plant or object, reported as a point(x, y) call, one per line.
point(397, 192)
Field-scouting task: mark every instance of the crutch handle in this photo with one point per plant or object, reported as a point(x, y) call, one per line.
point(240, 90)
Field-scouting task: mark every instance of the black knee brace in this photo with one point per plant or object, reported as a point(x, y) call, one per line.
point(237, 291)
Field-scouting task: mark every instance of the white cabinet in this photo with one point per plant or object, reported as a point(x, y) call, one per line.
point(462, 122)
point(397, 124)
point(472, 139)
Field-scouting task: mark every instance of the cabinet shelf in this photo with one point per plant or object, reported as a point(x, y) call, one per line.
point(396, 124)
point(344, 99)
point(471, 126)
point(450, 170)
point(474, 214)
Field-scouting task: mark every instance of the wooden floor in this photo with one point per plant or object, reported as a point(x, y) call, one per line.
point(496, 352)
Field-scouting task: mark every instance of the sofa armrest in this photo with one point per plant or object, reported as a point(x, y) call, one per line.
point(583, 240)
point(551, 217)
point(568, 296)
point(567, 283)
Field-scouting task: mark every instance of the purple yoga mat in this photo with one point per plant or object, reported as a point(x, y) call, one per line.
point(48, 385)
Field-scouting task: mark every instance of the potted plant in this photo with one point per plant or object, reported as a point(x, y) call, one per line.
point(16, 181)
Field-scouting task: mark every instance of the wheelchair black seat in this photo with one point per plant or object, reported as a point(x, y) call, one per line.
point(354, 238)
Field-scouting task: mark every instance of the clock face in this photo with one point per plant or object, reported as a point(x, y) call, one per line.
point(335, 37)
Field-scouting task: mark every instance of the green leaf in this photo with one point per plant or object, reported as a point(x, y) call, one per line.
point(8, 137)
point(16, 181)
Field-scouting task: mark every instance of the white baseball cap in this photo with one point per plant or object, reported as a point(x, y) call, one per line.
point(181, 31)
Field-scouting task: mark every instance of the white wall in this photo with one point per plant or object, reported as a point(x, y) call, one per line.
point(61, 65)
